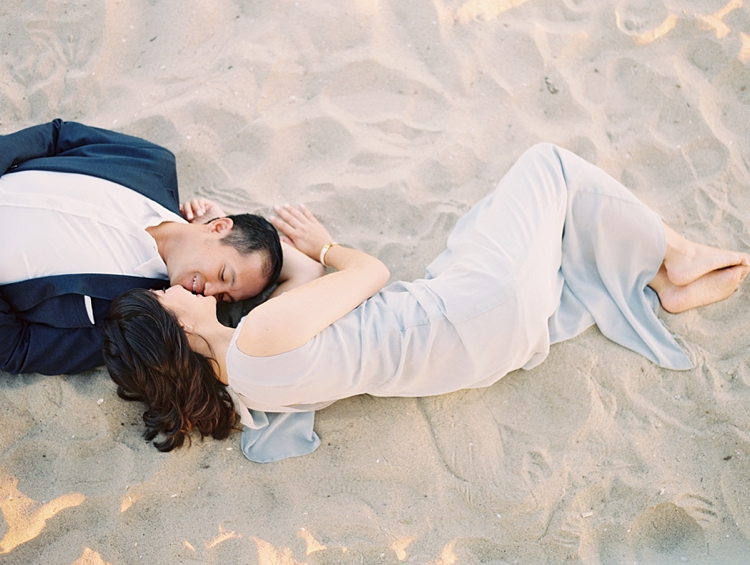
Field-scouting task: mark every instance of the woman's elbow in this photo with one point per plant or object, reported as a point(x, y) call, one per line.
point(383, 274)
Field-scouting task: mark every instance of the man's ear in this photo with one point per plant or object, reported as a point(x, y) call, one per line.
point(220, 226)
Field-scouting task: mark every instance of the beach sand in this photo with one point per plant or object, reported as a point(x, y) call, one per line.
point(389, 118)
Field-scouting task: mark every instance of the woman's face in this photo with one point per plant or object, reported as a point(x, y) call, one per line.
point(191, 309)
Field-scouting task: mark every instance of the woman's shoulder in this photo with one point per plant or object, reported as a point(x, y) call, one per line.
point(261, 332)
point(265, 371)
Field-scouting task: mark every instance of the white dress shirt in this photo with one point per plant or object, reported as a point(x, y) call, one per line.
point(55, 223)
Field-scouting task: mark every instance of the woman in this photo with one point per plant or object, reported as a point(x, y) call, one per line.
point(557, 247)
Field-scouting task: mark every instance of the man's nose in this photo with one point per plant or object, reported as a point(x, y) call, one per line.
point(212, 289)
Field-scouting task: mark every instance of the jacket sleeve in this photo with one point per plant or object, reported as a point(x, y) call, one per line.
point(57, 138)
point(70, 147)
point(29, 143)
point(27, 347)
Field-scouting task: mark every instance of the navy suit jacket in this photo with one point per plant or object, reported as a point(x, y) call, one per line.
point(44, 327)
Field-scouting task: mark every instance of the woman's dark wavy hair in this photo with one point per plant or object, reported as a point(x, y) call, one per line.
point(149, 358)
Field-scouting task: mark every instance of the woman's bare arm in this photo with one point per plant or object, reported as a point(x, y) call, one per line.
point(292, 319)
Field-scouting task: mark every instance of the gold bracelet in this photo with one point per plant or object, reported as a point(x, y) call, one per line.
point(323, 252)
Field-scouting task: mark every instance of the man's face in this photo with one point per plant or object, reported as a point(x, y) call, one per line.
point(204, 265)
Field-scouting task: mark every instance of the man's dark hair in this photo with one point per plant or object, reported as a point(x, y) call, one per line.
point(254, 233)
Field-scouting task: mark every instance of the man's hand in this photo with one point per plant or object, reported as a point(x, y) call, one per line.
point(201, 210)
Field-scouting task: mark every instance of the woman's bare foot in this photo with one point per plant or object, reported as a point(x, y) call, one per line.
point(712, 287)
point(694, 275)
point(686, 261)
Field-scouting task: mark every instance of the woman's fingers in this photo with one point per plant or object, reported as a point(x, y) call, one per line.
point(302, 215)
point(294, 217)
point(288, 214)
point(281, 225)
point(302, 228)
point(306, 212)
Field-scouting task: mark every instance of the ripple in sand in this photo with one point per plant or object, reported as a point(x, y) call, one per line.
point(485, 10)
point(715, 21)
point(25, 518)
point(90, 557)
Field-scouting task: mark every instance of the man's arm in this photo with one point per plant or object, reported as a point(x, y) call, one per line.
point(296, 270)
point(29, 143)
point(70, 147)
point(35, 348)
point(57, 137)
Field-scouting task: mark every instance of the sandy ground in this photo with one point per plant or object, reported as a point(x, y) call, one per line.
point(389, 118)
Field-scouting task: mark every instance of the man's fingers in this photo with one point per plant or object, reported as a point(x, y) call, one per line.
point(187, 211)
point(194, 208)
point(198, 206)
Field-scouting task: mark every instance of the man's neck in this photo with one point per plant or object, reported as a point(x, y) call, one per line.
point(163, 234)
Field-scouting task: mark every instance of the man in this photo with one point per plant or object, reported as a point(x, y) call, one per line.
point(86, 214)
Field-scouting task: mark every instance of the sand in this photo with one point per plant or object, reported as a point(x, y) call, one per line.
point(389, 118)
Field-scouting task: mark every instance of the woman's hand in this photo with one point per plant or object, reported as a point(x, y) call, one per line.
point(302, 228)
point(288, 321)
point(201, 210)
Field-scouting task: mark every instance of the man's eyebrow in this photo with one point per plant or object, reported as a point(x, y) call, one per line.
point(231, 285)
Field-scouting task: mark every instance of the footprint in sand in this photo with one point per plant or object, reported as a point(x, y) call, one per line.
point(535, 468)
point(734, 488)
point(699, 507)
point(646, 20)
point(666, 533)
point(663, 534)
